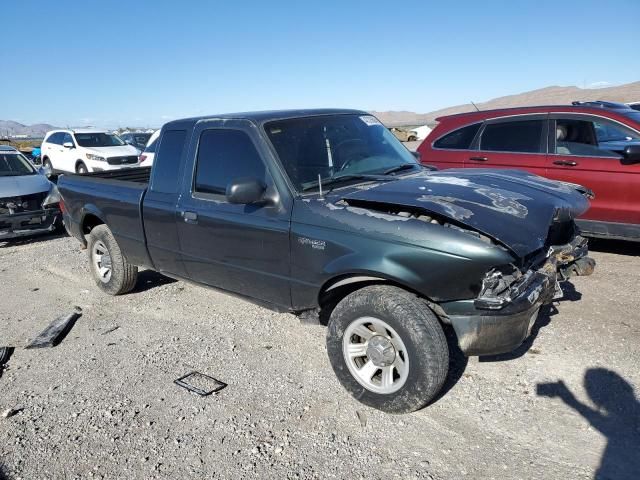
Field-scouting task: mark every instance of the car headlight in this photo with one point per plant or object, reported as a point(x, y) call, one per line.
point(97, 158)
point(52, 198)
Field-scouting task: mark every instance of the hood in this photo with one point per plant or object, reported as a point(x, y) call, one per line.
point(23, 185)
point(514, 207)
point(108, 152)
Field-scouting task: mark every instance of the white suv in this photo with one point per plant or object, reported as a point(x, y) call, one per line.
point(83, 151)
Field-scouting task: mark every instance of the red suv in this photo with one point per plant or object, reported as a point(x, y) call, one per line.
point(595, 144)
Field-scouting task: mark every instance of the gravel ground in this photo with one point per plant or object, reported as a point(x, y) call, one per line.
point(102, 404)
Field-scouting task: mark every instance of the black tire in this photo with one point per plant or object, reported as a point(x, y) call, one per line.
point(81, 168)
point(418, 328)
point(123, 275)
point(47, 164)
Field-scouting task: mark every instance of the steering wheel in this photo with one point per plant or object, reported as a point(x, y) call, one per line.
point(356, 142)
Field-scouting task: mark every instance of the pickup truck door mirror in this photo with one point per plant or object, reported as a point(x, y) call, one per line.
point(67, 145)
point(631, 154)
point(245, 191)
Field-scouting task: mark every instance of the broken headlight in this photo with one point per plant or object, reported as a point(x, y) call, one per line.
point(497, 287)
point(52, 198)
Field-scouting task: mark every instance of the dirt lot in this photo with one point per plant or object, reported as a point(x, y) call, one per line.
point(102, 404)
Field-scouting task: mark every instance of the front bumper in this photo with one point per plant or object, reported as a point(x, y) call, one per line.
point(485, 328)
point(29, 223)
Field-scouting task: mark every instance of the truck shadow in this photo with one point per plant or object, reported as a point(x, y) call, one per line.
point(619, 247)
point(148, 279)
point(458, 362)
point(616, 416)
point(3, 474)
point(570, 294)
point(16, 242)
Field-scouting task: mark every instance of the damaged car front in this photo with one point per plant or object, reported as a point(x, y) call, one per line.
point(484, 249)
point(29, 202)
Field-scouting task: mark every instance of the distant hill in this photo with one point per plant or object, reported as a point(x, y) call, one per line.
point(543, 96)
point(10, 128)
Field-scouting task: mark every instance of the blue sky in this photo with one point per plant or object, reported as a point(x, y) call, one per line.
point(141, 62)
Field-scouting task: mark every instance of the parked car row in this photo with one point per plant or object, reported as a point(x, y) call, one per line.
point(91, 150)
point(594, 144)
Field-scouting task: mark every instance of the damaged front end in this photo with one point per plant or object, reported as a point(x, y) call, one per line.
point(28, 215)
point(502, 315)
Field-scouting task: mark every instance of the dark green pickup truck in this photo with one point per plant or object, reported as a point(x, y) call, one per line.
point(324, 213)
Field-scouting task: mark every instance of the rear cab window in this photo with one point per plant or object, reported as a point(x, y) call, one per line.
point(168, 161)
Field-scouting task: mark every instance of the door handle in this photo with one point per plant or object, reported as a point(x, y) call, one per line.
point(565, 163)
point(189, 217)
point(478, 159)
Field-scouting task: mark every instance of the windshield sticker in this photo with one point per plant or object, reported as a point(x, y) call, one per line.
point(369, 120)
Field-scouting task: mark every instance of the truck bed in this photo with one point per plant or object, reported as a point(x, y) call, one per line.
point(113, 197)
point(137, 175)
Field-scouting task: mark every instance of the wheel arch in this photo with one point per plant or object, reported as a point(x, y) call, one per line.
point(91, 218)
point(338, 287)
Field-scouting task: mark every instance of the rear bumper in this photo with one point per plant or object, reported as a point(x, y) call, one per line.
point(28, 223)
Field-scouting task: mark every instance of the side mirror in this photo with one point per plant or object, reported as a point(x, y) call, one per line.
point(631, 154)
point(245, 191)
point(68, 145)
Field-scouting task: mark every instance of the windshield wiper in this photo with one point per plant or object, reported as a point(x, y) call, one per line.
point(342, 178)
point(400, 168)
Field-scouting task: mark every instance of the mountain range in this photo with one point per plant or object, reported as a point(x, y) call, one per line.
point(555, 95)
point(9, 128)
point(629, 92)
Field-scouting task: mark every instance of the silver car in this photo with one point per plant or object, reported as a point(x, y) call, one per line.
point(29, 202)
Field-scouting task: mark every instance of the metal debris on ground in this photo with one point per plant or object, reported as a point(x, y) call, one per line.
point(10, 412)
point(109, 330)
point(200, 383)
point(55, 332)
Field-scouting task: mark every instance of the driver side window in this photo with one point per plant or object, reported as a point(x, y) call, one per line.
point(223, 156)
point(577, 137)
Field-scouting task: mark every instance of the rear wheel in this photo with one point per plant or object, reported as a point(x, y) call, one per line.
point(388, 349)
point(81, 168)
point(111, 271)
point(46, 163)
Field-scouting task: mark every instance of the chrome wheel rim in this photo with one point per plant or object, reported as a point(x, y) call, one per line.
point(101, 261)
point(375, 355)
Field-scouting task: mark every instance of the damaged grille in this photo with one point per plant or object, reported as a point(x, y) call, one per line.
point(24, 203)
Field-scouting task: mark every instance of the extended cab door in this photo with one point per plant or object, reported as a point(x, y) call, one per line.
point(161, 201)
point(511, 142)
point(240, 248)
point(584, 149)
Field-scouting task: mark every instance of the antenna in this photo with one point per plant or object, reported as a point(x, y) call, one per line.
point(320, 185)
point(477, 109)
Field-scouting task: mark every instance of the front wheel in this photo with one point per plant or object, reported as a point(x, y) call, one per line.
point(81, 168)
point(111, 271)
point(388, 349)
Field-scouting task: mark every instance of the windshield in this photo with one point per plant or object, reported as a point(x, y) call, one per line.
point(14, 164)
point(141, 138)
point(98, 140)
point(335, 145)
